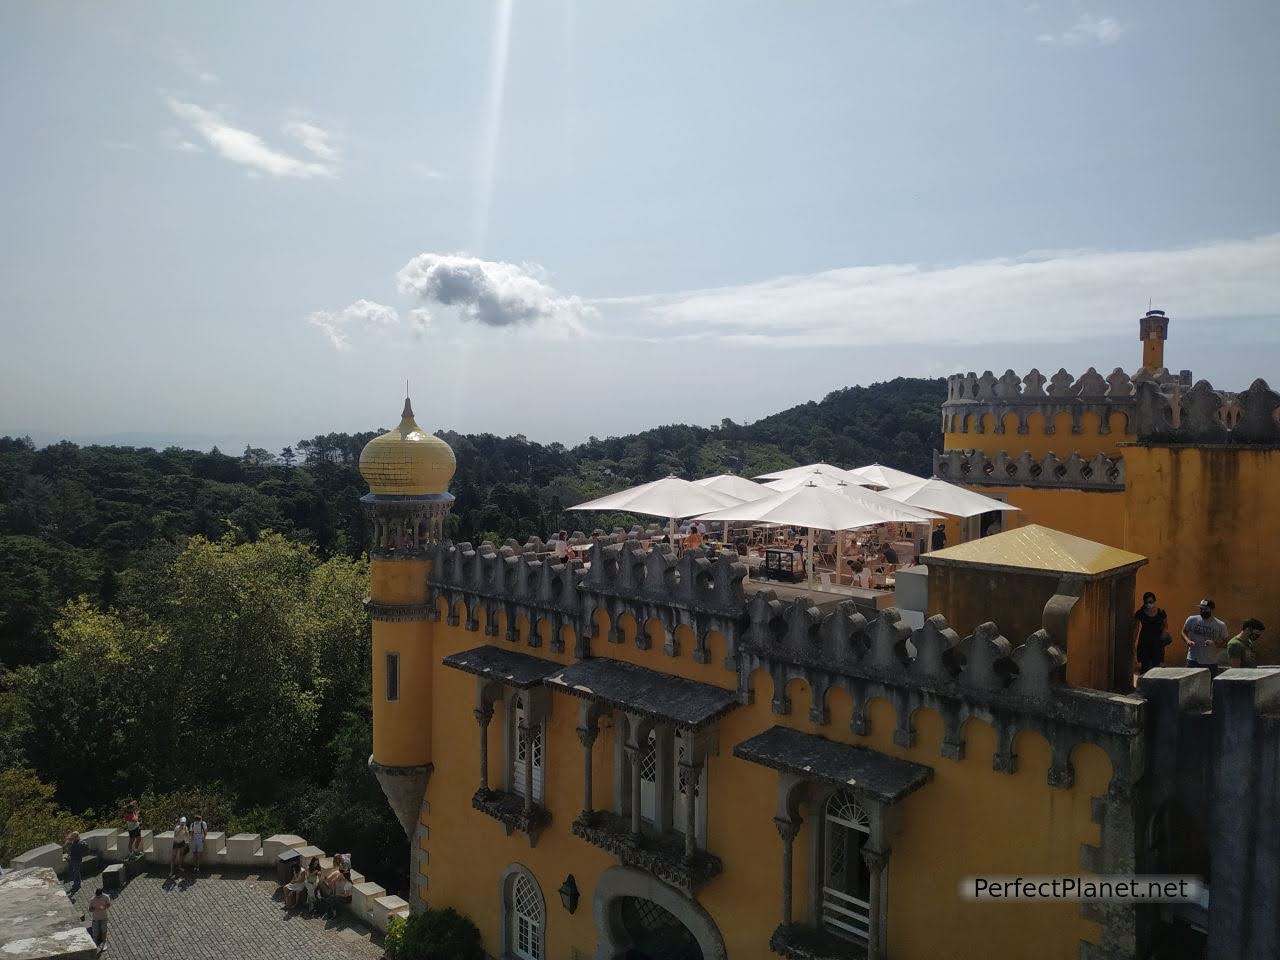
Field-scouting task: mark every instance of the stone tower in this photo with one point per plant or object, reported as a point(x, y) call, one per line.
point(408, 472)
point(1153, 330)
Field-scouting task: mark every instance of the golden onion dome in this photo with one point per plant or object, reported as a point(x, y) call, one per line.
point(407, 461)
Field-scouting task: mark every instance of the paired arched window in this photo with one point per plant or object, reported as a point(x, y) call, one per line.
point(526, 745)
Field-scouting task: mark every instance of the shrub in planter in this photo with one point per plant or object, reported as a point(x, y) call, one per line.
point(434, 935)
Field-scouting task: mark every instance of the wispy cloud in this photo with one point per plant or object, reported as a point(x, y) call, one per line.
point(1040, 298)
point(173, 139)
point(249, 150)
point(426, 172)
point(1088, 30)
point(317, 141)
point(119, 145)
point(360, 317)
point(494, 293)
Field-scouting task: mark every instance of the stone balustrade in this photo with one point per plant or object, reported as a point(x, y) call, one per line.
point(370, 902)
point(973, 467)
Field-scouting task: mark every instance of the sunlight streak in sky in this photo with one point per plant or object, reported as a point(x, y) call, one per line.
point(493, 127)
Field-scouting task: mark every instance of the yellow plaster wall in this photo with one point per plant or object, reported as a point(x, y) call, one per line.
point(1209, 520)
point(968, 820)
point(1088, 442)
point(1085, 513)
point(401, 729)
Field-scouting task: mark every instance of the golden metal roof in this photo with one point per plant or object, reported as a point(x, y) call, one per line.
point(1040, 549)
point(407, 461)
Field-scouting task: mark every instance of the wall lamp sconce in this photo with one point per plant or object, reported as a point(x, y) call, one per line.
point(569, 893)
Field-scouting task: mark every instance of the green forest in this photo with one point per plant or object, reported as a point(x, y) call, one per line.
point(187, 628)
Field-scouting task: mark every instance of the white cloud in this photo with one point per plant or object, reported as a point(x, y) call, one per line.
point(247, 148)
point(1088, 30)
point(206, 77)
point(315, 140)
point(1043, 298)
point(119, 145)
point(426, 172)
point(494, 293)
point(174, 140)
point(363, 316)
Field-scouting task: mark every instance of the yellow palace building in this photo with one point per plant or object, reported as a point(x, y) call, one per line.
point(650, 756)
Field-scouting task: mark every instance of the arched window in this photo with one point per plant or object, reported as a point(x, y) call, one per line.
point(524, 913)
point(846, 883)
point(524, 745)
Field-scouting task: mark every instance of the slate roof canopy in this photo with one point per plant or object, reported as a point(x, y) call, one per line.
point(878, 775)
point(626, 686)
point(509, 666)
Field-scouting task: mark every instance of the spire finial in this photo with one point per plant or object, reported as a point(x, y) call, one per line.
point(408, 407)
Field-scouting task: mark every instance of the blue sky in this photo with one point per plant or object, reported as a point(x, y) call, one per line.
point(253, 222)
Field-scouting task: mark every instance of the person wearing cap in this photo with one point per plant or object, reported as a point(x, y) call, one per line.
point(1205, 635)
point(1240, 648)
point(181, 842)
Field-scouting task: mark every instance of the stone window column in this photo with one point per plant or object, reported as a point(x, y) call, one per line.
point(487, 692)
point(692, 771)
point(787, 830)
point(877, 862)
point(588, 730)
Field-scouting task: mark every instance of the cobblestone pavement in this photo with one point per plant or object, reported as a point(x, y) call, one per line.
point(221, 917)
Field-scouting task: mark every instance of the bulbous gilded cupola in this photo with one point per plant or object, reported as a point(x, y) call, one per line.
point(407, 461)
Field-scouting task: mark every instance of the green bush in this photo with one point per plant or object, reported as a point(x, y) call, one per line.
point(29, 815)
point(434, 935)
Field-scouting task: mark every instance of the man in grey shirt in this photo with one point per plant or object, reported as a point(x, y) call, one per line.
point(1205, 636)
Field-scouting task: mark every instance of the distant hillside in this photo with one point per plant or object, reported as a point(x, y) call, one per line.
point(99, 519)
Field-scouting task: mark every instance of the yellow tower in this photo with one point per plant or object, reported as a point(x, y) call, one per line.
point(408, 472)
point(1153, 329)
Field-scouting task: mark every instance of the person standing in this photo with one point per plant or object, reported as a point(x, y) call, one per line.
point(1205, 635)
point(1151, 624)
point(939, 539)
point(181, 843)
point(1241, 651)
point(133, 823)
point(99, 906)
point(75, 849)
point(199, 830)
point(560, 549)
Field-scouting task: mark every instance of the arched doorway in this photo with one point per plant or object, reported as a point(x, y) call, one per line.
point(638, 917)
point(655, 933)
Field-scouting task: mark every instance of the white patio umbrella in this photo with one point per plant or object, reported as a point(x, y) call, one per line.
point(824, 480)
point(881, 476)
point(943, 497)
point(807, 471)
point(812, 507)
point(734, 486)
point(670, 497)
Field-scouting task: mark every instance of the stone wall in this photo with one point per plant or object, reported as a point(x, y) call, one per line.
point(1204, 416)
point(370, 902)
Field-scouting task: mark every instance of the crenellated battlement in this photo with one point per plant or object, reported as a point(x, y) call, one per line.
point(1035, 387)
point(1203, 416)
point(1012, 686)
point(981, 404)
point(973, 467)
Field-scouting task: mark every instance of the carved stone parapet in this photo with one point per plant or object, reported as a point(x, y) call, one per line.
point(398, 611)
point(1204, 416)
point(976, 468)
point(509, 810)
point(663, 857)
